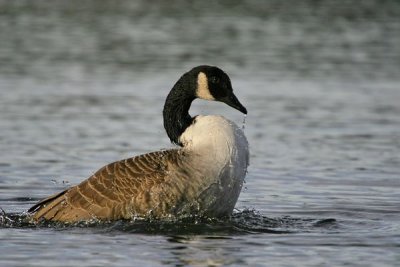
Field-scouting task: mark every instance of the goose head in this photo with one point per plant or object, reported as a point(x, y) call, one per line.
point(203, 82)
point(214, 84)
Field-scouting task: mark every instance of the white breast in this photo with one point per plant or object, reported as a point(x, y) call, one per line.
point(220, 156)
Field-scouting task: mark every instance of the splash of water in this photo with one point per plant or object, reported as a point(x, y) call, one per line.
point(244, 122)
point(240, 222)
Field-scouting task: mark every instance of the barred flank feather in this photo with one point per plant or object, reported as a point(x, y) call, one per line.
point(120, 190)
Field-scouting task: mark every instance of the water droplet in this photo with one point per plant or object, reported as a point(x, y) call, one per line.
point(244, 122)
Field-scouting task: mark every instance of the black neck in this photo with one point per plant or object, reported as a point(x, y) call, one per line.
point(176, 109)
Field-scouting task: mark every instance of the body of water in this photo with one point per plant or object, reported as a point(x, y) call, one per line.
point(83, 83)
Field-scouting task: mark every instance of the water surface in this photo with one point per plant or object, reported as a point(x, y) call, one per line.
point(82, 84)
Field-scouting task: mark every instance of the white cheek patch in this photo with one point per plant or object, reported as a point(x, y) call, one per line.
point(202, 90)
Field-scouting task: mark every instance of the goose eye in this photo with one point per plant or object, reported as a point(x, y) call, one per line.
point(214, 79)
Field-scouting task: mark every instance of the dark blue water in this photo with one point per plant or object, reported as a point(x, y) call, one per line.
point(83, 84)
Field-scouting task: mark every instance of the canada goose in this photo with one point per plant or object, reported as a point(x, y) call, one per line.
point(202, 177)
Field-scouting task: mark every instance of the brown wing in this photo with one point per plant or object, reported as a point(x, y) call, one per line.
point(119, 190)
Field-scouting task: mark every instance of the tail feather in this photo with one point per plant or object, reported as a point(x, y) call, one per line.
point(51, 210)
point(48, 207)
point(41, 204)
point(57, 208)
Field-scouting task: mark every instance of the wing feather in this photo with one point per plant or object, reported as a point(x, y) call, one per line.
point(118, 190)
